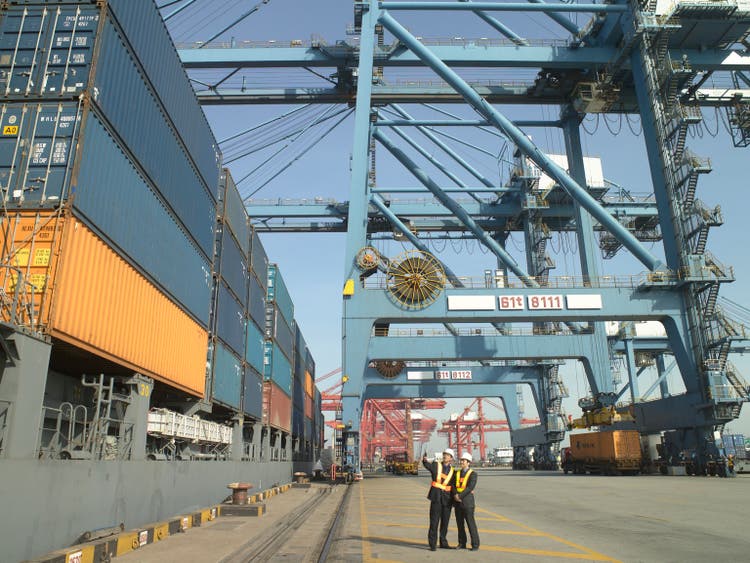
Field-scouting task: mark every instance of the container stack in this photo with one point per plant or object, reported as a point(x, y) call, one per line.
point(232, 377)
point(278, 355)
point(298, 390)
point(319, 429)
point(110, 181)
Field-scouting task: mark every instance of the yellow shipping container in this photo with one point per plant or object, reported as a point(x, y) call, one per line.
point(610, 446)
point(93, 299)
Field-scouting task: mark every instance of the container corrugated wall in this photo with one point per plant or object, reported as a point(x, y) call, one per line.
point(104, 305)
point(277, 407)
point(277, 368)
point(278, 293)
point(278, 329)
point(115, 198)
point(257, 302)
point(152, 44)
point(298, 395)
point(259, 260)
point(309, 407)
point(253, 395)
point(234, 212)
point(298, 422)
point(228, 373)
point(150, 137)
point(233, 266)
point(254, 347)
point(230, 320)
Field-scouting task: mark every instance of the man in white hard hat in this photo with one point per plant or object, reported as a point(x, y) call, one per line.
point(463, 495)
point(440, 498)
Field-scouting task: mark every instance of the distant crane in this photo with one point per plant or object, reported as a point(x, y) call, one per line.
point(460, 430)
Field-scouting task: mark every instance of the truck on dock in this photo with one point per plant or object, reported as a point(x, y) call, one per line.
point(613, 452)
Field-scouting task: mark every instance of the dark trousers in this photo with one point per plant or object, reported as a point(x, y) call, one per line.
point(440, 514)
point(464, 514)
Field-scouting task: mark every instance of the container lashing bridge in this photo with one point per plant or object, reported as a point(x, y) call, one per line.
point(631, 58)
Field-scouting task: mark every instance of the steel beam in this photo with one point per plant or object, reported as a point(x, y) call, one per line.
point(524, 144)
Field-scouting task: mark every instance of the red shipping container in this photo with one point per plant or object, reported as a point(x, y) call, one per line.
point(308, 407)
point(277, 407)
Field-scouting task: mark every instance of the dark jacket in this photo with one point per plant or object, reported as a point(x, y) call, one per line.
point(435, 494)
point(467, 496)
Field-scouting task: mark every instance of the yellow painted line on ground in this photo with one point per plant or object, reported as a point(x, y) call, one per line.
point(482, 531)
point(364, 532)
point(391, 513)
point(595, 555)
point(543, 552)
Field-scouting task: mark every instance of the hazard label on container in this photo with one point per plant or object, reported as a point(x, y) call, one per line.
point(75, 557)
point(10, 130)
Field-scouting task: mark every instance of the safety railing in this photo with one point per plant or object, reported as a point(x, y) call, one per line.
point(557, 282)
point(17, 305)
point(479, 331)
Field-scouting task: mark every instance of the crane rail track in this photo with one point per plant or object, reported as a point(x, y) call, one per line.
point(259, 550)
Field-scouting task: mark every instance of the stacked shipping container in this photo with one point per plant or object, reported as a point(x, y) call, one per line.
point(131, 243)
point(278, 353)
point(95, 160)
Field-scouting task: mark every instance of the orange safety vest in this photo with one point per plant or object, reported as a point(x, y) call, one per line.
point(443, 483)
point(461, 483)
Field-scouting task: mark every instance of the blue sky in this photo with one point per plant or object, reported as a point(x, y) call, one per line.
point(312, 264)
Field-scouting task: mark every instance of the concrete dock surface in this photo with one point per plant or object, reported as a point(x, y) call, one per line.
point(523, 516)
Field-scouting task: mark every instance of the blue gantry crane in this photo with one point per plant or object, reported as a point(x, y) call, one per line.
point(662, 61)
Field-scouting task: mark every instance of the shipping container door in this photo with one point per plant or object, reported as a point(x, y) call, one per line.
point(37, 148)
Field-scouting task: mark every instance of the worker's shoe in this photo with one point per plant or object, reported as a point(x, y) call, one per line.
point(461, 546)
point(445, 546)
point(433, 548)
point(474, 548)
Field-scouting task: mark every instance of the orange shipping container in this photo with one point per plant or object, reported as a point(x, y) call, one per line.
point(610, 446)
point(309, 384)
point(95, 300)
point(277, 407)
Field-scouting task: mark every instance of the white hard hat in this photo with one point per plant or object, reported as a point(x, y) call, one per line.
point(450, 452)
point(467, 456)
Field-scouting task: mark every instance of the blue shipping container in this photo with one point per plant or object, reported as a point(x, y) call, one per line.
point(227, 377)
point(298, 394)
point(257, 302)
point(37, 150)
point(308, 428)
point(150, 137)
point(119, 204)
point(234, 213)
point(278, 293)
point(49, 50)
point(298, 424)
point(278, 329)
point(254, 347)
point(276, 368)
point(259, 260)
point(230, 320)
point(233, 267)
point(148, 36)
point(253, 395)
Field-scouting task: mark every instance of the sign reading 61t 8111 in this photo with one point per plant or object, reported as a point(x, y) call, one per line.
point(545, 302)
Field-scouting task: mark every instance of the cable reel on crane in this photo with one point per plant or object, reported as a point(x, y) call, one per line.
point(415, 279)
point(389, 368)
point(368, 260)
